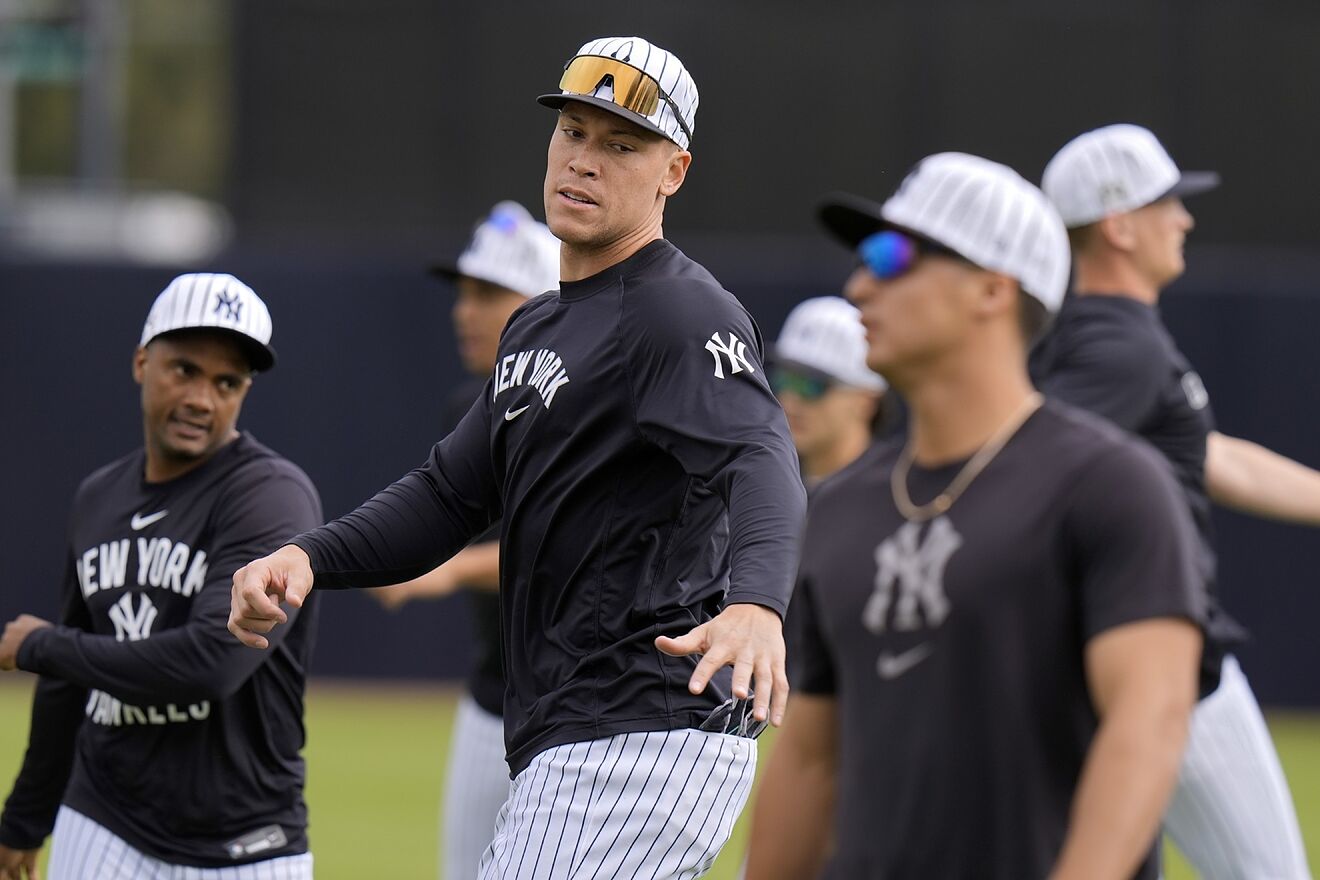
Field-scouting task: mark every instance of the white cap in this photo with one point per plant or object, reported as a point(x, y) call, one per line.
point(214, 302)
point(980, 209)
point(825, 334)
point(660, 65)
point(512, 249)
point(1115, 169)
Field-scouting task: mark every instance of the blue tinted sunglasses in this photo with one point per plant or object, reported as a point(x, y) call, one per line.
point(889, 253)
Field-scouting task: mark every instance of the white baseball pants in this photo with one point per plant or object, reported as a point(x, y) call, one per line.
point(476, 787)
point(1232, 814)
point(81, 849)
point(646, 806)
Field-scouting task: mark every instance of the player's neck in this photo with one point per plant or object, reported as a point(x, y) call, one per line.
point(577, 261)
point(161, 468)
point(954, 412)
point(1114, 277)
point(850, 443)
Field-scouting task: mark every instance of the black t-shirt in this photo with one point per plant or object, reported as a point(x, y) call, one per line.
point(645, 476)
point(486, 680)
point(955, 648)
point(168, 731)
point(1112, 355)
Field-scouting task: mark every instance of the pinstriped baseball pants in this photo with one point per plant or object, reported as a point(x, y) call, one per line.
point(1231, 813)
point(476, 786)
point(81, 849)
point(643, 806)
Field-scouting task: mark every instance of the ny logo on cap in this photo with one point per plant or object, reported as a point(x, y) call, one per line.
point(229, 306)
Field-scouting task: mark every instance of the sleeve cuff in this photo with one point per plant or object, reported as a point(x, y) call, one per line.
point(19, 841)
point(30, 654)
point(765, 600)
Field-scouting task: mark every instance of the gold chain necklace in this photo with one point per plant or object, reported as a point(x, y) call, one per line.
point(969, 472)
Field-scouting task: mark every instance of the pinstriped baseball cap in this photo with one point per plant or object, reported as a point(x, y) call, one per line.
point(509, 248)
point(202, 300)
point(825, 334)
point(1116, 169)
point(984, 211)
point(632, 78)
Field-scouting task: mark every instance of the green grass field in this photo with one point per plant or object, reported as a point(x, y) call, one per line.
point(375, 757)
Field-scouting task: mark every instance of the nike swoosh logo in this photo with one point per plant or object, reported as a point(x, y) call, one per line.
point(890, 666)
point(511, 414)
point(141, 522)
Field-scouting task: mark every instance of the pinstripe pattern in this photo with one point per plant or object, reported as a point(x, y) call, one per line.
point(85, 850)
point(476, 789)
point(656, 805)
point(1107, 171)
point(208, 300)
point(665, 68)
point(825, 333)
point(1232, 814)
point(990, 215)
point(511, 249)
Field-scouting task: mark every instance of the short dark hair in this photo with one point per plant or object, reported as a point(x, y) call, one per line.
point(1080, 237)
point(1033, 318)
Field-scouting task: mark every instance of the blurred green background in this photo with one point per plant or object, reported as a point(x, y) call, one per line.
point(376, 754)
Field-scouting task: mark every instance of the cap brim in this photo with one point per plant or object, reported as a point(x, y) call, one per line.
point(260, 357)
point(557, 100)
point(451, 272)
point(850, 218)
point(1191, 183)
point(448, 271)
point(784, 363)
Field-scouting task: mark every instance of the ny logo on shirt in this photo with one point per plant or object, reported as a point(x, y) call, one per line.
point(131, 625)
point(735, 350)
point(916, 567)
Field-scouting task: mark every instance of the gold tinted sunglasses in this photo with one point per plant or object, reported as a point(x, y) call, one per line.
point(634, 90)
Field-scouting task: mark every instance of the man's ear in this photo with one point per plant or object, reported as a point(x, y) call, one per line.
point(1117, 230)
point(999, 295)
point(675, 173)
point(139, 363)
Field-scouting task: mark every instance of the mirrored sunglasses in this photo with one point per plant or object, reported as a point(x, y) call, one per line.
point(890, 253)
point(633, 90)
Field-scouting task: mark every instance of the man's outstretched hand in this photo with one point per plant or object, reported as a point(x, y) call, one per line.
point(751, 639)
point(260, 587)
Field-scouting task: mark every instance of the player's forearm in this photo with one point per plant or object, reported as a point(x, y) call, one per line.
point(180, 665)
point(791, 822)
point(767, 507)
point(478, 567)
point(1254, 480)
point(1125, 787)
point(403, 532)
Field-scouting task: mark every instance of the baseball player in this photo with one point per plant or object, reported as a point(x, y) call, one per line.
point(819, 374)
point(510, 259)
point(651, 506)
point(159, 748)
point(1120, 193)
point(999, 638)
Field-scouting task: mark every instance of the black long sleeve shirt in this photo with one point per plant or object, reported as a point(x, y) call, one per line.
point(645, 476)
point(149, 717)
